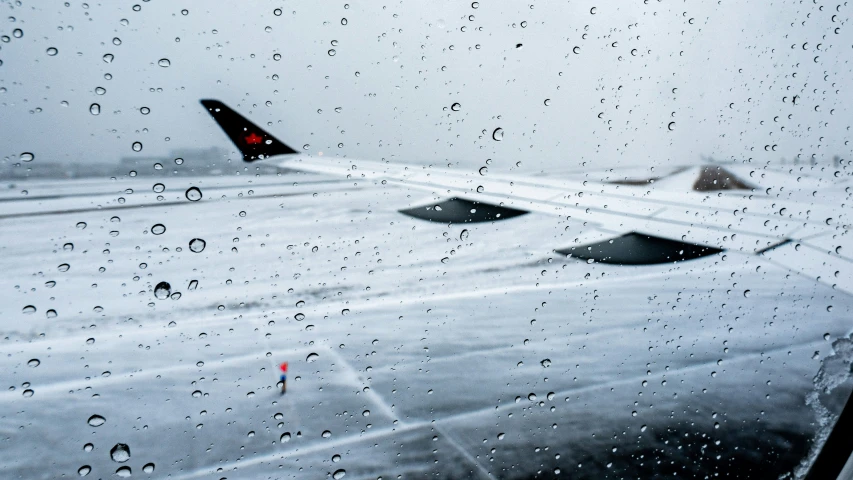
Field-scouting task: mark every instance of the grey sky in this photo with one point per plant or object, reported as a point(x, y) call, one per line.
point(724, 71)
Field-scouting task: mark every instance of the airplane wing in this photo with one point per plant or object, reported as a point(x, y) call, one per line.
point(704, 211)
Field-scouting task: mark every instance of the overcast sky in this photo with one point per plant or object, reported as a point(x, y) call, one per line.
point(616, 76)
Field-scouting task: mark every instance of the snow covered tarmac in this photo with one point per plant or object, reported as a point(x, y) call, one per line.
point(421, 349)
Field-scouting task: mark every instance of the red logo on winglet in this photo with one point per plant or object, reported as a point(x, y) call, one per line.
point(253, 139)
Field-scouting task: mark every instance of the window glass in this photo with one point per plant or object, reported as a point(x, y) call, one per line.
point(269, 239)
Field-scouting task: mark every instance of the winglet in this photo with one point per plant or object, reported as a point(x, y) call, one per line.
point(252, 141)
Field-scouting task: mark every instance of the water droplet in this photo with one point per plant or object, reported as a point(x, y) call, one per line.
point(63, 267)
point(52, 51)
point(137, 146)
point(484, 170)
point(285, 437)
point(50, 313)
point(68, 247)
point(546, 363)
point(365, 413)
point(576, 50)
point(299, 317)
point(100, 90)
point(29, 309)
point(339, 474)
point(456, 107)
point(159, 188)
point(108, 58)
point(158, 229)
point(826, 336)
point(17, 33)
point(463, 235)
point(196, 394)
point(312, 357)
point(498, 134)
point(197, 245)
point(90, 341)
point(547, 102)
point(145, 110)
point(34, 363)
point(332, 52)
point(501, 436)
point(28, 393)
point(27, 157)
point(193, 285)
point(95, 420)
point(162, 290)
point(344, 21)
point(671, 126)
point(327, 434)
point(81, 225)
point(164, 62)
point(531, 397)
point(88, 447)
point(123, 472)
point(84, 470)
point(336, 458)
point(148, 468)
point(120, 453)
point(193, 194)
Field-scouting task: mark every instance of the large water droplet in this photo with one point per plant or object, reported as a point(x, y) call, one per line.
point(197, 245)
point(52, 51)
point(120, 453)
point(671, 126)
point(164, 62)
point(193, 194)
point(312, 357)
point(84, 470)
point(137, 146)
point(108, 58)
point(27, 157)
point(123, 472)
point(29, 309)
point(34, 363)
point(158, 229)
point(484, 170)
point(63, 267)
point(96, 420)
point(546, 362)
point(327, 434)
point(456, 107)
point(193, 285)
point(498, 134)
point(148, 468)
point(162, 290)
point(339, 474)
point(285, 437)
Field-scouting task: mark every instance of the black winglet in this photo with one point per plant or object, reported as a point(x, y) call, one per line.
point(252, 141)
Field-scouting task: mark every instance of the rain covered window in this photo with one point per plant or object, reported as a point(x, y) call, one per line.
point(297, 239)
